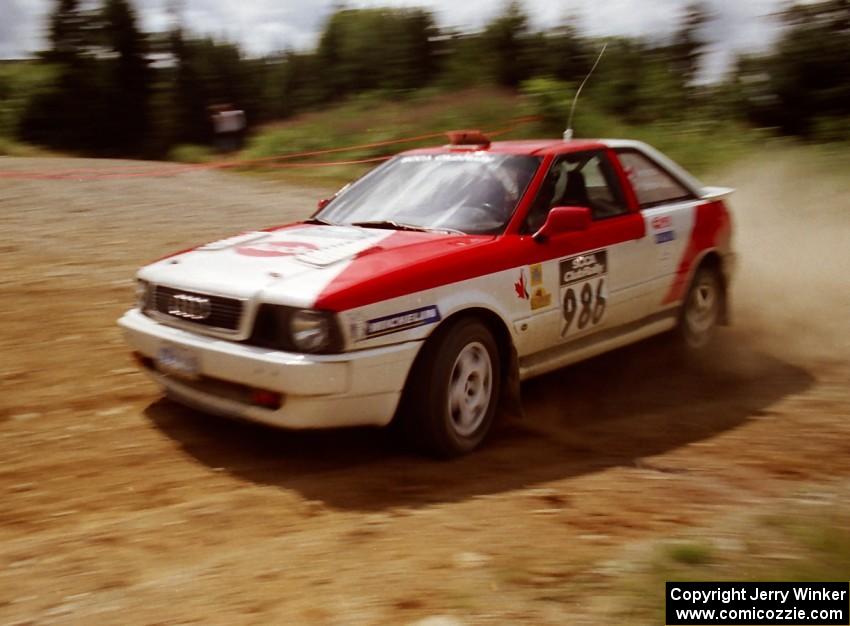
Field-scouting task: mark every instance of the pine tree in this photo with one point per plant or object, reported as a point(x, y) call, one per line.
point(505, 41)
point(688, 42)
point(128, 85)
point(66, 32)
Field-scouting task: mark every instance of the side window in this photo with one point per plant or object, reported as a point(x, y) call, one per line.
point(652, 184)
point(578, 179)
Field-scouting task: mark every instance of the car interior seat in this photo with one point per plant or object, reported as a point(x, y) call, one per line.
point(575, 193)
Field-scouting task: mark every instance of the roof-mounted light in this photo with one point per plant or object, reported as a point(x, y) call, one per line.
point(468, 139)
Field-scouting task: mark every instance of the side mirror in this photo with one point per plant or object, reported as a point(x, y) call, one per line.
point(564, 219)
point(326, 201)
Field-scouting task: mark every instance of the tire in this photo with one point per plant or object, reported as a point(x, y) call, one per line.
point(453, 390)
point(702, 310)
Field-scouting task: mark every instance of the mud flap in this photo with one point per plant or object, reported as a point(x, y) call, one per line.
point(510, 404)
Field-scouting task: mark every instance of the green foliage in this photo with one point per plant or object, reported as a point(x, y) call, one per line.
point(830, 128)
point(371, 118)
point(698, 145)
point(803, 84)
point(463, 62)
point(688, 43)
point(207, 73)
point(699, 141)
point(505, 43)
point(20, 82)
point(639, 84)
point(69, 31)
point(376, 48)
point(808, 546)
point(549, 99)
point(99, 98)
point(128, 80)
point(191, 153)
point(690, 553)
point(563, 54)
point(10, 147)
point(103, 93)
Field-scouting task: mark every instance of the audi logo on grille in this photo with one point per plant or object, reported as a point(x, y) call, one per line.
point(189, 307)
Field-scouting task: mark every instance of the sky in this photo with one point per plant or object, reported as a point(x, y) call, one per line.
point(263, 26)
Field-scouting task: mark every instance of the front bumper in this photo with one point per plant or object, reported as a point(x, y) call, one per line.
point(319, 391)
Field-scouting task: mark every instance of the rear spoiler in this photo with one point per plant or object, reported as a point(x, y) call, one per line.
point(715, 193)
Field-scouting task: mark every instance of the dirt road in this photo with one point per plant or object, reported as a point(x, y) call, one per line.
point(119, 507)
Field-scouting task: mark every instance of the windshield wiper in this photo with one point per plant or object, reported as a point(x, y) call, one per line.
point(320, 221)
point(391, 224)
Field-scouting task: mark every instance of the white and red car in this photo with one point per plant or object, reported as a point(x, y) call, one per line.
point(427, 289)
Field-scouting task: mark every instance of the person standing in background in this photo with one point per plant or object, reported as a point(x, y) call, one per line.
point(229, 125)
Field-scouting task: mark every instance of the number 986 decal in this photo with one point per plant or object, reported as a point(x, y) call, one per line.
point(584, 292)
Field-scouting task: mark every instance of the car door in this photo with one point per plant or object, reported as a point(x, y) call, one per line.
point(589, 280)
point(668, 207)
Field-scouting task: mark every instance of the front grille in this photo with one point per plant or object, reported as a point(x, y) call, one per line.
point(221, 313)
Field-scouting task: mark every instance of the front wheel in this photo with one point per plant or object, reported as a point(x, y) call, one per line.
point(454, 390)
point(702, 309)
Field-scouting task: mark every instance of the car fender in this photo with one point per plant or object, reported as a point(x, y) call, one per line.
point(416, 316)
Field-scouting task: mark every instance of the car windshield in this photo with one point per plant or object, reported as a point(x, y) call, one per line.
point(473, 193)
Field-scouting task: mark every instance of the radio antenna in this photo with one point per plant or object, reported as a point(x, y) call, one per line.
point(568, 134)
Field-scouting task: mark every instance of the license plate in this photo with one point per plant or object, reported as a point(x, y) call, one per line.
point(177, 361)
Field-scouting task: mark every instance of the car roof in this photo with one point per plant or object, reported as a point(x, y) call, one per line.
point(529, 147)
point(546, 147)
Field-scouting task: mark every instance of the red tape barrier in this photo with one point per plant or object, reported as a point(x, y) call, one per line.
point(136, 171)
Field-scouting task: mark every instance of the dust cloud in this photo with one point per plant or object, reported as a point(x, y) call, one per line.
point(791, 294)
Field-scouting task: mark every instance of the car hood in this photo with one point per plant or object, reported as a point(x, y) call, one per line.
point(299, 264)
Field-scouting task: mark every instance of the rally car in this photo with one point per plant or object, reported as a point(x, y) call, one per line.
point(425, 291)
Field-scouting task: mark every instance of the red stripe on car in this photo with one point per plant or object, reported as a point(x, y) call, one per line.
point(711, 228)
point(407, 262)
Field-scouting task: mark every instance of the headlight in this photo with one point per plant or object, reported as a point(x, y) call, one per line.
point(143, 294)
point(279, 327)
point(310, 330)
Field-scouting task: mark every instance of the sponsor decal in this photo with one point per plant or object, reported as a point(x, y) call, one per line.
point(584, 292)
point(664, 237)
point(540, 298)
point(520, 286)
point(661, 222)
point(398, 322)
point(584, 266)
point(277, 248)
point(536, 272)
point(478, 157)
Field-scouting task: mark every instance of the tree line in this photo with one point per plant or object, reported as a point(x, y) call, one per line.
point(107, 87)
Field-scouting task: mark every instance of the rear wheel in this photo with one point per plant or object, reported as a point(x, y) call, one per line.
point(453, 390)
point(702, 309)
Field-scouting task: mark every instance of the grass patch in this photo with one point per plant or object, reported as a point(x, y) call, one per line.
point(690, 553)
point(698, 145)
point(20, 82)
point(823, 549)
point(190, 153)
point(775, 548)
point(370, 118)
point(12, 148)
